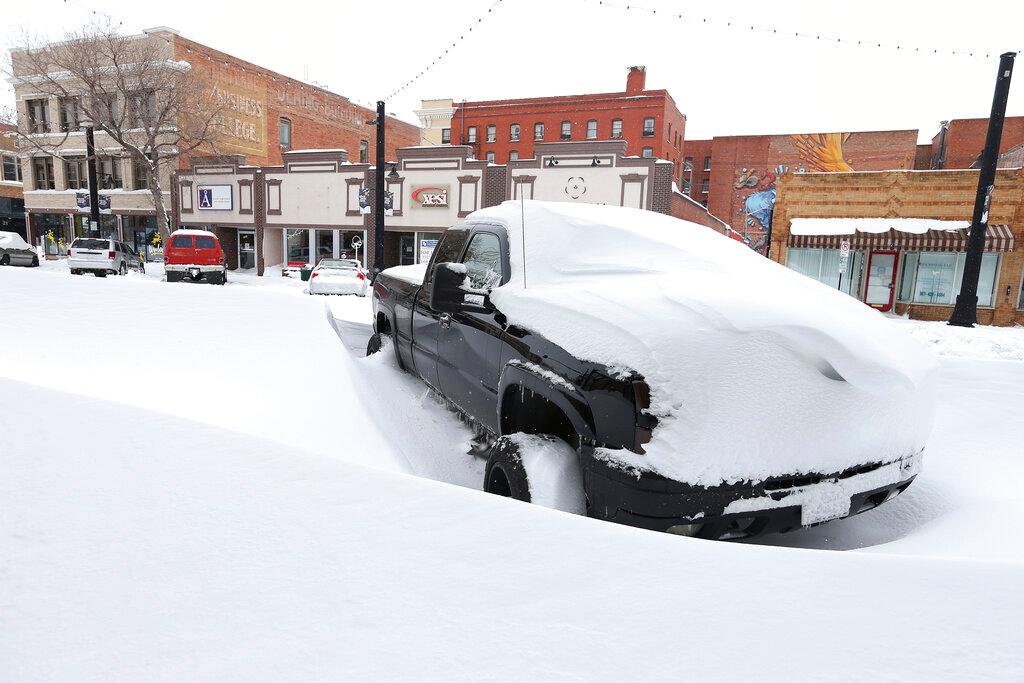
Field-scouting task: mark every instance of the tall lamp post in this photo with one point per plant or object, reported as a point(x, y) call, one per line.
point(378, 194)
point(965, 313)
point(94, 192)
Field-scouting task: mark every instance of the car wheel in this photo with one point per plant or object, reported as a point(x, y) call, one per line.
point(5, 260)
point(35, 261)
point(123, 270)
point(536, 468)
point(375, 344)
point(174, 276)
point(142, 268)
point(100, 273)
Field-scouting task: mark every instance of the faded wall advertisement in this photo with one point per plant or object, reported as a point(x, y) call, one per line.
point(243, 119)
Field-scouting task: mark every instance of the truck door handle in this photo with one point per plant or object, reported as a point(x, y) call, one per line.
point(446, 320)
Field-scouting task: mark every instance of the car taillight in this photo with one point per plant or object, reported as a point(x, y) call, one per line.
point(111, 255)
point(313, 275)
point(69, 252)
point(360, 276)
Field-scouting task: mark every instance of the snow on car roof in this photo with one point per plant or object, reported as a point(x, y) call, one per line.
point(193, 231)
point(755, 370)
point(12, 240)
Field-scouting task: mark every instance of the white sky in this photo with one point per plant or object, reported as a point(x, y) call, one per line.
point(728, 81)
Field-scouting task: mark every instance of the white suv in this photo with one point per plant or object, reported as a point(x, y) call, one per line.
point(101, 256)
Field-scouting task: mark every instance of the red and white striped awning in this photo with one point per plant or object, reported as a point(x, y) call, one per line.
point(997, 238)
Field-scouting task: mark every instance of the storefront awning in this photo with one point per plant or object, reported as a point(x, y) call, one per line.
point(831, 233)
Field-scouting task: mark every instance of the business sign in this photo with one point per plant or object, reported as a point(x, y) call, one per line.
point(427, 249)
point(215, 198)
point(83, 203)
point(364, 200)
point(430, 195)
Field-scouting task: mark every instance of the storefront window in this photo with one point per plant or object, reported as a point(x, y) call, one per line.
point(51, 230)
point(907, 270)
point(297, 246)
point(352, 244)
point(139, 232)
point(324, 244)
point(823, 265)
point(425, 244)
point(937, 277)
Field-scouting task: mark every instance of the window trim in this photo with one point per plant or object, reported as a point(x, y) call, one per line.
point(364, 151)
point(589, 127)
point(646, 132)
point(491, 133)
point(616, 135)
point(515, 132)
point(561, 130)
point(446, 136)
point(707, 163)
point(647, 152)
point(41, 123)
point(539, 125)
point(51, 182)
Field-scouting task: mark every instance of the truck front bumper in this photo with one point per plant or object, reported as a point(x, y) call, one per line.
point(744, 509)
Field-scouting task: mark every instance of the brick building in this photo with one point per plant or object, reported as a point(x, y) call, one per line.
point(696, 179)
point(906, 232)
point(12, 203)
point(505, 130)
point(959, 142)
point(265, 115)
point(740, 172)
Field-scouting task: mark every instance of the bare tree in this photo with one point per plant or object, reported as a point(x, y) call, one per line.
point(156, 108)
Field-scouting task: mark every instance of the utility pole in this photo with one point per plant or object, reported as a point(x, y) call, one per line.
point(378, 195)
point(94, 192)
point(965, 313)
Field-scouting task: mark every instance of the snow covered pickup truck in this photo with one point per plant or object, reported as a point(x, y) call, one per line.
point(651, 372)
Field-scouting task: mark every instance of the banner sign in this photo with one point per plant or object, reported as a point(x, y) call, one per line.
point(215, 198)
point(364, 200)
point(84, 205)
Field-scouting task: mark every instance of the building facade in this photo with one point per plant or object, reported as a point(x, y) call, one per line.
point(435, 121)
point(309, 207)
point(959, 142)
point(12, 200)
point(904, 237)
point(649, 121)
point(265, 115)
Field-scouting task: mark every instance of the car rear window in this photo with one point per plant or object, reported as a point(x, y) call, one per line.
point(182, 242)
point(204, 243)
point(85, 243)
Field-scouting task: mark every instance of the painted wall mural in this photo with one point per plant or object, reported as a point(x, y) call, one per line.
point(755, 189)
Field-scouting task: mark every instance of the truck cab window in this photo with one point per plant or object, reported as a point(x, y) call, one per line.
point(483, 261)
point(448, 250)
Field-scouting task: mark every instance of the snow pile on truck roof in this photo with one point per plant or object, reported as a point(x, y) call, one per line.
point(755, 370)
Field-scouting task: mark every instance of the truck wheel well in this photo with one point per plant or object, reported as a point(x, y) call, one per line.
point(383, 325)
point(524, 410)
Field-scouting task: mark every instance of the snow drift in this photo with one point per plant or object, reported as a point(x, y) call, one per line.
point(755, 370)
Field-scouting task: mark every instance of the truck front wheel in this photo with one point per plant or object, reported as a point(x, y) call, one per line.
point(536, 468)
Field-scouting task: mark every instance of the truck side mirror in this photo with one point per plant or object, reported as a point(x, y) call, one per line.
point(447, 294)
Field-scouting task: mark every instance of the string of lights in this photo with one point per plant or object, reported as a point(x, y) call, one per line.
point(448, 48)
point(812, 36)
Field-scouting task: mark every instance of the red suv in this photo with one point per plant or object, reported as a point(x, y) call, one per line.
point(196, 255)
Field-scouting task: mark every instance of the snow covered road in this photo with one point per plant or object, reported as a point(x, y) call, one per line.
point(202, 483)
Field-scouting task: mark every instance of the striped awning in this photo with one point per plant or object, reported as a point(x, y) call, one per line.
point(997, 238)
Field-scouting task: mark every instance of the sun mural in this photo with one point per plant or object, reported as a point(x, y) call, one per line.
point(822, 152)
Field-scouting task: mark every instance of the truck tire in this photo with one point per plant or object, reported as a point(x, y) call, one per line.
point(536, 468)
point(374, 345)
point(175, 276)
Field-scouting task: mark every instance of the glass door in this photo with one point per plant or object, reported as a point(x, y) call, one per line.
point(881, 280)
point(246, 249)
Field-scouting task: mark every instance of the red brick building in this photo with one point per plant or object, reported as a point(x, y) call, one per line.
point(269, 113)
point(503, 130)
point(12, 203)
point(959, 142)
point(696, 180)
point(744, 169)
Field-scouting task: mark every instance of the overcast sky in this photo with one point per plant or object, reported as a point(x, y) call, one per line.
point(727, 80)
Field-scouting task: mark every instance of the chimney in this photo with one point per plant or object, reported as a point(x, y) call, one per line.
point(636, 81)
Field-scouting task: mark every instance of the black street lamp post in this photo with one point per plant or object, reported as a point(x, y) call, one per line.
point(965, 313)
point(94, 192)
point(378, 194)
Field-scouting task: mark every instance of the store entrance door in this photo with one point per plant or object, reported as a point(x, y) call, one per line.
point(881, 280)
point(246, 249)
point(407, 257)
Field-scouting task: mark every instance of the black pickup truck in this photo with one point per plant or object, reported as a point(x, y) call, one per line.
point(509, 381)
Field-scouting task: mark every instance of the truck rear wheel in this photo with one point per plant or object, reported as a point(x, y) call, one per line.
point(536, 468)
